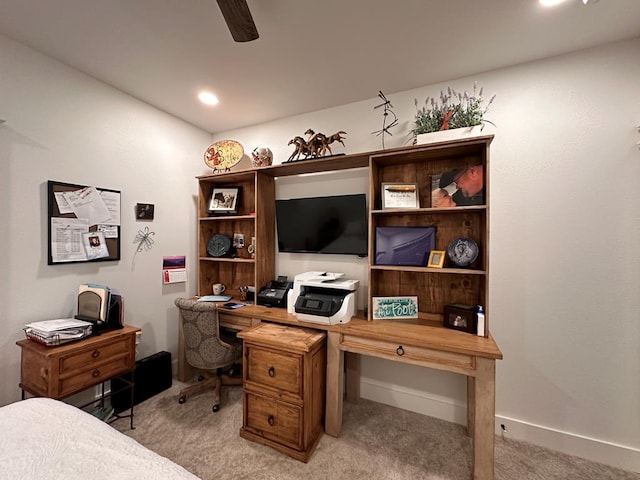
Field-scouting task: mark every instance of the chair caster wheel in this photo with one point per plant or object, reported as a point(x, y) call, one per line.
point(215, 408)
point(200, 378)
point(182, 399)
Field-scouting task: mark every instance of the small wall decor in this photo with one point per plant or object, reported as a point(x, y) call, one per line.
point(316, 145)
point(389, 119)
point(144, 211)
point(391, 308)
point(143, 237)
point(223, 155)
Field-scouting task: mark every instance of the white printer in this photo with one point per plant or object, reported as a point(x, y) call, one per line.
point(323, 297)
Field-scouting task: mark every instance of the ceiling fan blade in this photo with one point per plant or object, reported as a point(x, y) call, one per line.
point(239, 20)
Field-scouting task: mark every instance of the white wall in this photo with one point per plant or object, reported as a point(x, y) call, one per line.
point(65, 126)
point(565, 248)
point(565, 229)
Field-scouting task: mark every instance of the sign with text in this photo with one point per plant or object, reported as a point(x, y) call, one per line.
point(390, 308)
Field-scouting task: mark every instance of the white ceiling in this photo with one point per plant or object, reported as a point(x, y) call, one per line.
point(310, 55)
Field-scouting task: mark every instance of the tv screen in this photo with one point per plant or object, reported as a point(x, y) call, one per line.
point(335, 224)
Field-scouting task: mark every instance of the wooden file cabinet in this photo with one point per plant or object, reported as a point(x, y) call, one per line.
point(284, 385)
point(57, 372)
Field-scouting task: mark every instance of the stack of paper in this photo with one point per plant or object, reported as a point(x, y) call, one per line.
point(56, 332)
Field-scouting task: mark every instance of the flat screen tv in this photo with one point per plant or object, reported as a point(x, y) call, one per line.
point(409, 246)
point(333, 225)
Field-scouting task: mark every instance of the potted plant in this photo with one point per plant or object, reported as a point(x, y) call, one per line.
point(453, 110)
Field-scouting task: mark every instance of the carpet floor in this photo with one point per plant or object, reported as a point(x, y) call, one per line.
point(378, 442)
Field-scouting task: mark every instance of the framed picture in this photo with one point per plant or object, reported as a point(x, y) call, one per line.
point(460, 317)
point(144, 211)
point(436, 259)
point(400, 195)
point(223, 201)
point(394, 308)
point(408, 246)
point(458, 187)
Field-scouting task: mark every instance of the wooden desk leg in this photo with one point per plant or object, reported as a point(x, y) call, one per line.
point(352, 363)
point(335, 385)
point(484, 418)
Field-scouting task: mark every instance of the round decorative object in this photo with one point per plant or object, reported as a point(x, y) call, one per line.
point(223, 155)
point(218, 245)
point(262, 157)
point(463, 251)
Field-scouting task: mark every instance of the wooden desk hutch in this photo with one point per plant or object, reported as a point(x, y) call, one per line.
point(423, 341)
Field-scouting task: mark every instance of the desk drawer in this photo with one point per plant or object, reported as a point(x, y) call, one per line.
point(235, 322)
point(272, 369)
point(274, 420)
point(80, 381)
point(407, 353)
point(89, 358)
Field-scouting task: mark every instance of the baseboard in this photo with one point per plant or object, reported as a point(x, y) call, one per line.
point(444, 408)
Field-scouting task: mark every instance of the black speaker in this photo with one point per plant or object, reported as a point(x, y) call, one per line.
point(152, 375)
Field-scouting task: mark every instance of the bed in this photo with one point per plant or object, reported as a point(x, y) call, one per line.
point(41, 438)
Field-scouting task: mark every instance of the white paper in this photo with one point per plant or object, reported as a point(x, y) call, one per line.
point(112, 202)
point(87, 203)
point(109, 231)
point(174, 275)
point(63, 205)
point(66, 239)
point(58, 324)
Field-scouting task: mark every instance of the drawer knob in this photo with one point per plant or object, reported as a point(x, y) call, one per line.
point(400, 350)
point(95, 354)
point(271, 420)
point(95, 373)
point(272, 372)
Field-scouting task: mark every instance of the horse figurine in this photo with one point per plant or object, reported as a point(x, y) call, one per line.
point(315, 146)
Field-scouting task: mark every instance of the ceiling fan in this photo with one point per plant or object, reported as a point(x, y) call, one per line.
point(239, 20)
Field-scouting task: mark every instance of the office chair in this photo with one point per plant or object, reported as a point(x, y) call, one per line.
point(206, 349)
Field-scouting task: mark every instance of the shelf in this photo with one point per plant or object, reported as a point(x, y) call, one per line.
point(421, 211)
point(227, 259)
point(227, 218)
point(403, 268)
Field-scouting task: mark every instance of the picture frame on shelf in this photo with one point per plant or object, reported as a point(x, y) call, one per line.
point(460, 317)
point(458, 187)
point(223, 201)
point(436, 258)
point(400, 195)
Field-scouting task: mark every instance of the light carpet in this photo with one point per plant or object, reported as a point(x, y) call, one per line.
point(378, 442)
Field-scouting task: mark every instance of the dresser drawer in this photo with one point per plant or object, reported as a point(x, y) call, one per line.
point(273, 420)
point(89, 358)
point(408, 353)
point(274, 370)
point(81, 380)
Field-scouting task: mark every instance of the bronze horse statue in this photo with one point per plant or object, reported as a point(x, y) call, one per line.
point(315, 146)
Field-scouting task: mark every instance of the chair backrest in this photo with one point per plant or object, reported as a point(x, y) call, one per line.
point(200, 329)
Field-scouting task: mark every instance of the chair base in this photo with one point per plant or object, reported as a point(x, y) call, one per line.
point(210, 381)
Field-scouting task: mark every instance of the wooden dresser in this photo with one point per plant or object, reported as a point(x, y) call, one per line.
point(284, 388)
point(57, 372)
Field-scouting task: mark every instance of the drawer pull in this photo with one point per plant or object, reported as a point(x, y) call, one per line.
point(95, 373)
point(272, 372)
point(400, 350)
point(95, 354)
point(271, 420)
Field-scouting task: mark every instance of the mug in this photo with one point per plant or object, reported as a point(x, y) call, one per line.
point(218, 288)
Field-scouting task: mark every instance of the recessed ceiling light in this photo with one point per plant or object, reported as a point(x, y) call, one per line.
point(550, 3)
point(208, 98)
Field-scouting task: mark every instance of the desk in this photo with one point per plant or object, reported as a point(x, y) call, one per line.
point(419, 342)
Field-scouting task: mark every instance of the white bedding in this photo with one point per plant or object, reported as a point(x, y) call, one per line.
point(47, 439)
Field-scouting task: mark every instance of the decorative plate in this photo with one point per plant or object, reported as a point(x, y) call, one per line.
point(223, 155)
point(463, 251)
point(218, 245)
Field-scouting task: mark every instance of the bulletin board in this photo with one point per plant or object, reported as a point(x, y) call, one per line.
point(83, 223)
